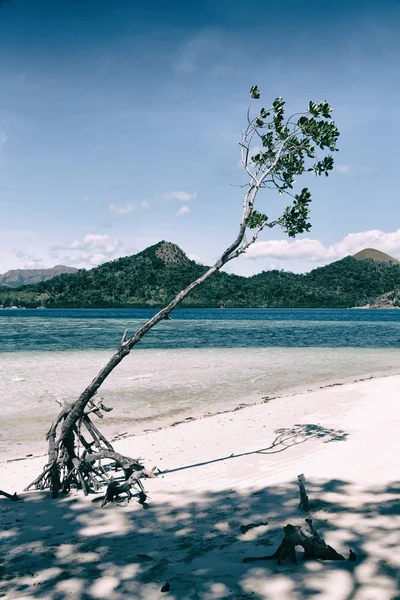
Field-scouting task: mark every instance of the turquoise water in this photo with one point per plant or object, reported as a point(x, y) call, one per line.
point(89, 329)
point(200, 362)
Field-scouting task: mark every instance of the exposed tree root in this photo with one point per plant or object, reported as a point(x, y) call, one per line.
point(82, 457)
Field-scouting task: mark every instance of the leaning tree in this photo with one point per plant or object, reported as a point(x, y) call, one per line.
point(275, 149)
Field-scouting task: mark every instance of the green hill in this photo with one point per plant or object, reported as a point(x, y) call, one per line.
point(153, 277)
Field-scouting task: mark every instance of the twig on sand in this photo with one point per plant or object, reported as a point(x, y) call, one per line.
point(12, 497)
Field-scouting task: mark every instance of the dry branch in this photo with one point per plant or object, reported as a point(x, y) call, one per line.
point(12, 497)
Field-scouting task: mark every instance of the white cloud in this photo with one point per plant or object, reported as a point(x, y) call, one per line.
point(183, 211)
point(122, 209)
point(98, 258)
point(183, 196)
point(3, 139)
point(93, 241)
point(195, 257)
point(144, 204)
point(315, 251)
point(93, 250)
point(304, 249)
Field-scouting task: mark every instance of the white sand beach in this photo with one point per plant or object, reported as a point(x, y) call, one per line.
point(219, 473)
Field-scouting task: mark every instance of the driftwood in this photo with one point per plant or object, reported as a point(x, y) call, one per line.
point(314, 546)
point(115, 489)
point(304, 502)
point(12, 497)
point(245, 528)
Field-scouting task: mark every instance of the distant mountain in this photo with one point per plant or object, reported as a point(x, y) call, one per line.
point(19, 277)
point(372, 254)
point(154, 276)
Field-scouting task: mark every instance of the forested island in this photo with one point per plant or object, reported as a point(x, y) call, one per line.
point(154, 276)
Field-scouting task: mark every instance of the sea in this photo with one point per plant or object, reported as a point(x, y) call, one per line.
point(200, 362)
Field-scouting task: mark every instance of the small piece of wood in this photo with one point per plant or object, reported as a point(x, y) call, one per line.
point(114, 489)
point(12, 497)
point(245, 528)
point(314, 546)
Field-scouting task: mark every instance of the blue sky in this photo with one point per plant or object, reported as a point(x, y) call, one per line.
point(120, 123)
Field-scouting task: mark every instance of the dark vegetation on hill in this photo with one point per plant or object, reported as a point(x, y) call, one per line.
point(154, 276)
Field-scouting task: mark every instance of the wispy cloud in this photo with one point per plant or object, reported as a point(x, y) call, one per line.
point(207, 48)
point(30, 260)
point(315, 251)
point(122, 209)
point(144, 204)
point(184, 210)
point(352, 170)
point(183, 196)
point(3, 140)
point(93, 250)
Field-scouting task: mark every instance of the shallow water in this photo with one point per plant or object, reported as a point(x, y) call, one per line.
point(169, 384)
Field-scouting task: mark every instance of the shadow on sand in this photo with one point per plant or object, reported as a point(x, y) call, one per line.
point(72, 548)
point(286, 438)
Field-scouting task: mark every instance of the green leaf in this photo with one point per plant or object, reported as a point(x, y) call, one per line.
point(295, 219)
point(291, 149)
point(256, 219)
point(254, 92)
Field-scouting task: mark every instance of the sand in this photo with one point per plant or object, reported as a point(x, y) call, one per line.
point(220, 473)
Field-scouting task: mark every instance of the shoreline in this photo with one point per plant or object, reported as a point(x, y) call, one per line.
point(157, 424)
point(156, 388)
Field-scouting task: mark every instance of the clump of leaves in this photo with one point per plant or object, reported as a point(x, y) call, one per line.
point(286, 147)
